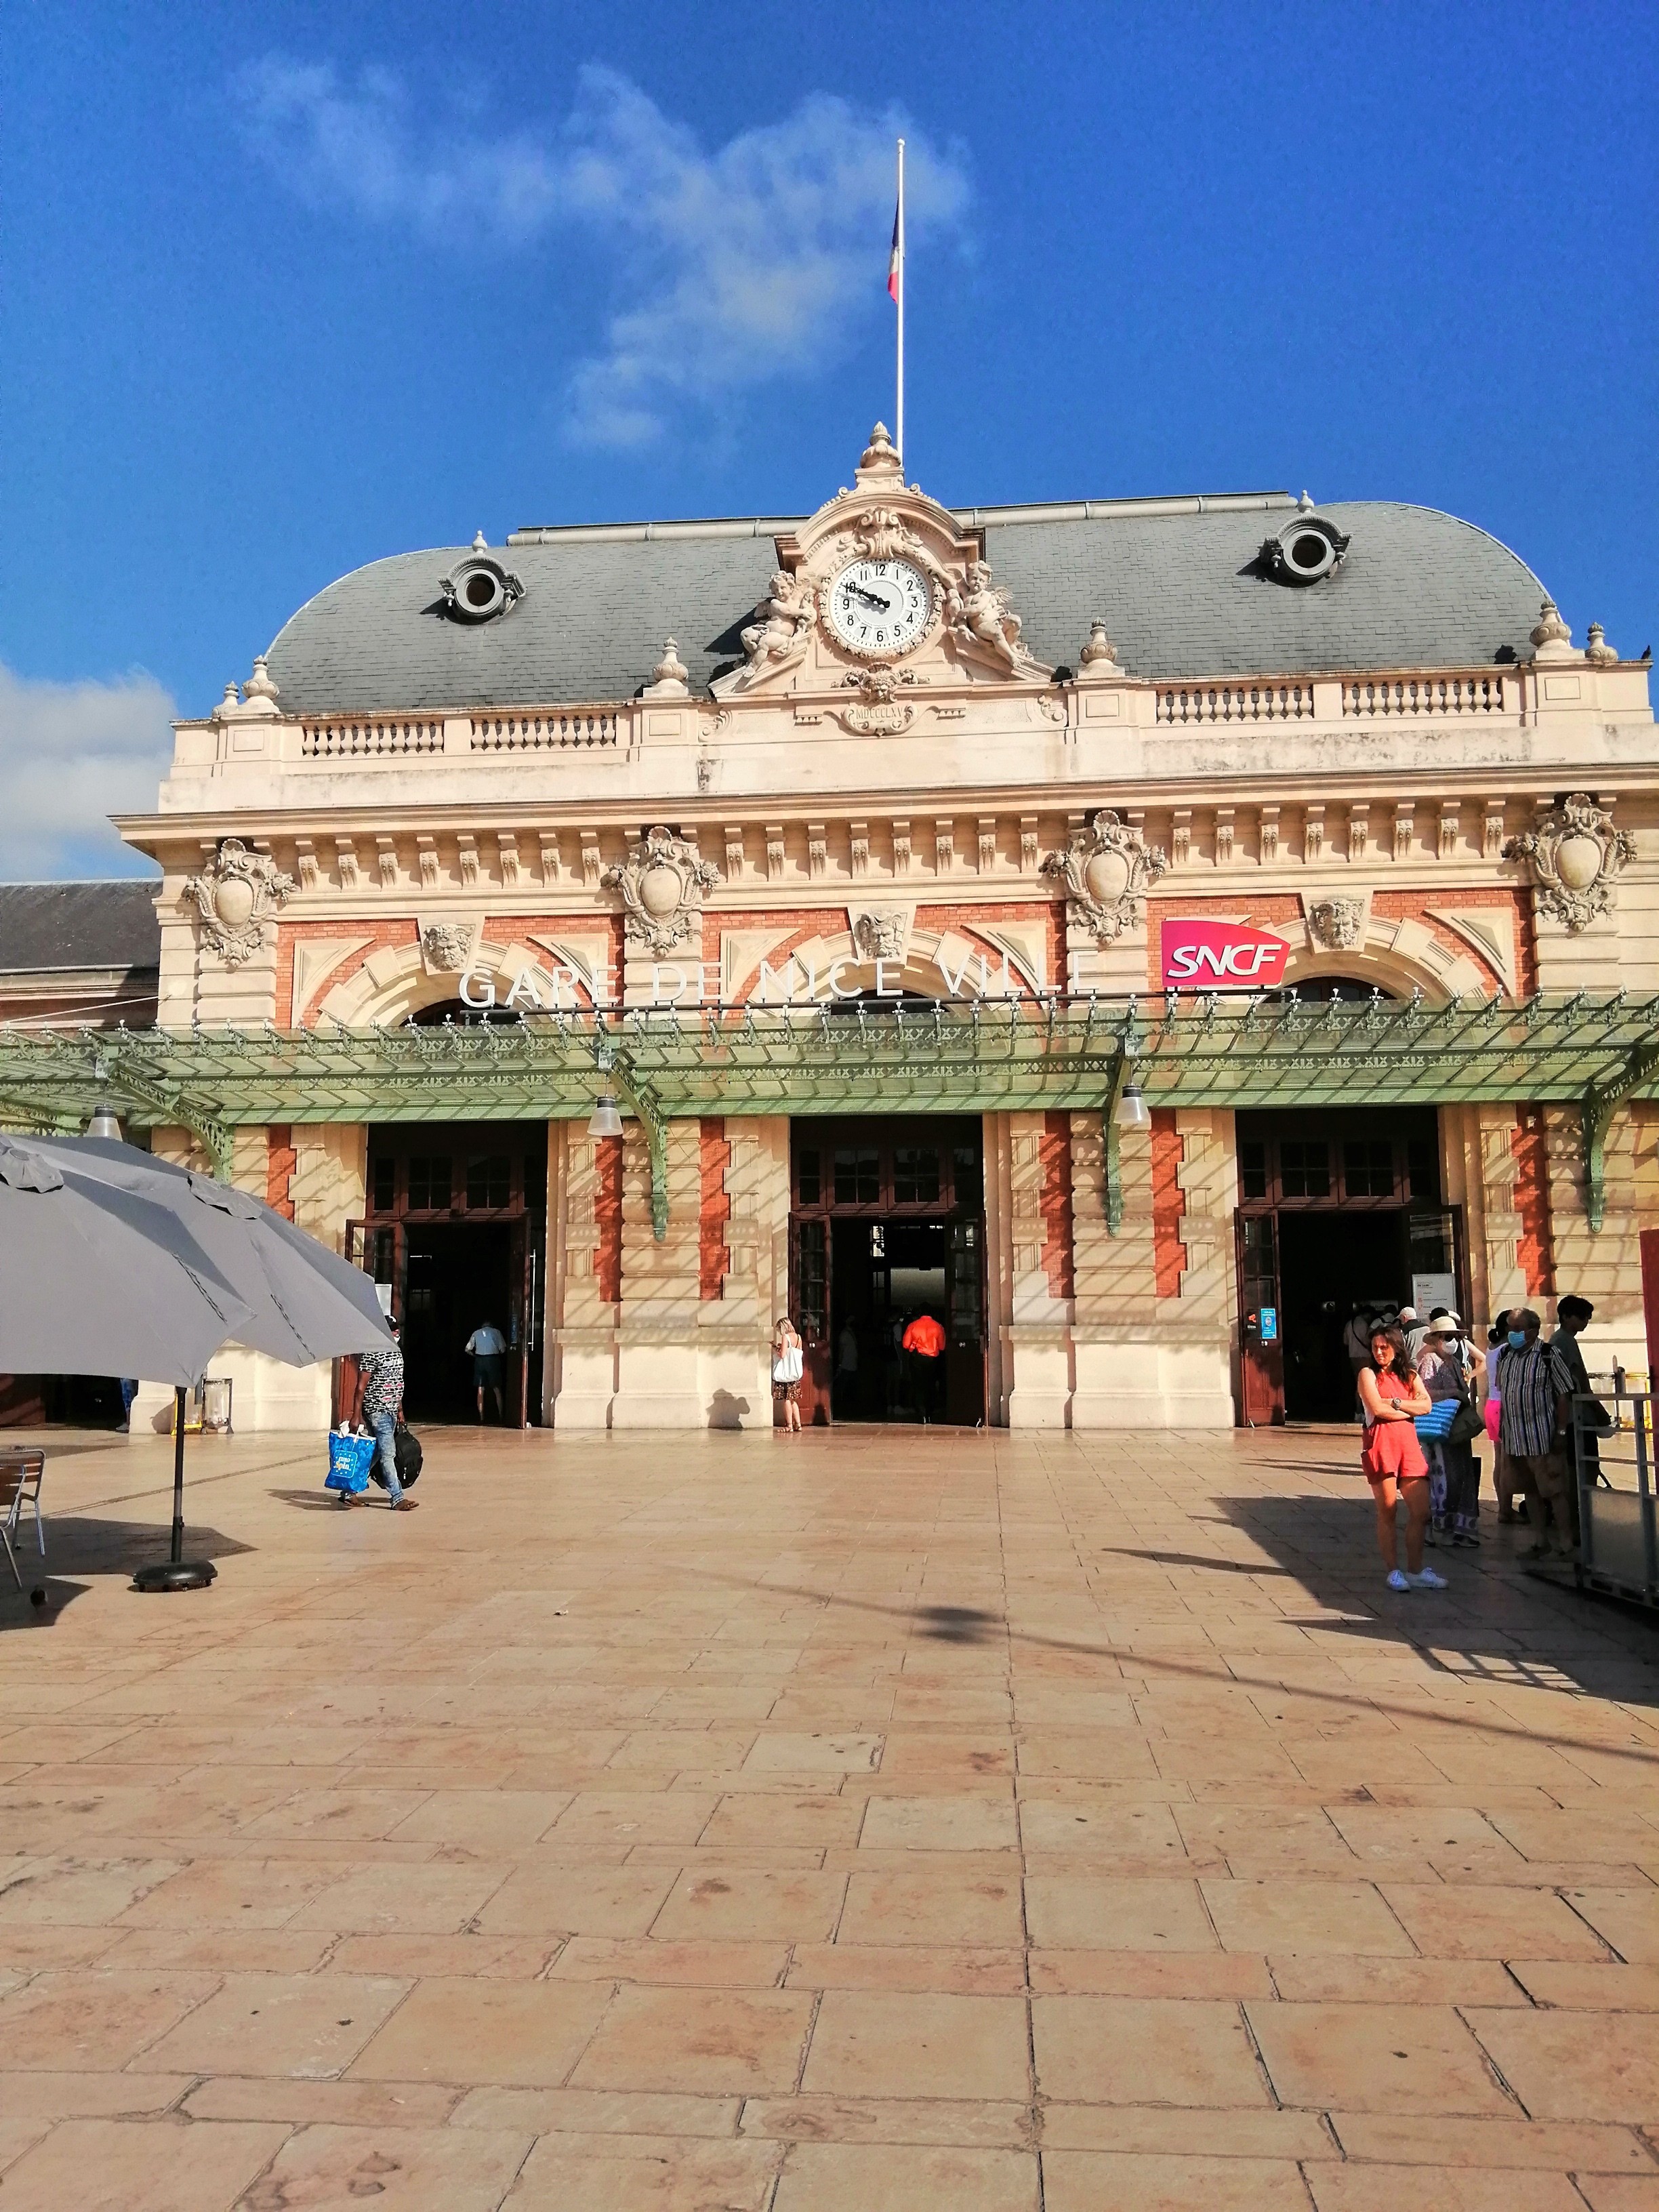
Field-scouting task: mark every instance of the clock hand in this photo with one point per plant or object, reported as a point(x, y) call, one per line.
point(872, 600)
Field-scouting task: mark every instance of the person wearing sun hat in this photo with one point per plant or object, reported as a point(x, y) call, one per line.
point(1447, 1367)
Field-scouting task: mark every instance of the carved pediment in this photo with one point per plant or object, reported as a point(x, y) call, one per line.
point(880, 589)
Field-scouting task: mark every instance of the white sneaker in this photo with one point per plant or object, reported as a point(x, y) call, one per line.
point(1397, 1581)
point(1427, 1580)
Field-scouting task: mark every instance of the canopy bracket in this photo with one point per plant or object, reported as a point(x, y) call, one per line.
point(1601, 1103)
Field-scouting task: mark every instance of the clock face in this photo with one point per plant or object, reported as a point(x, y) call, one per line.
point(880, 608)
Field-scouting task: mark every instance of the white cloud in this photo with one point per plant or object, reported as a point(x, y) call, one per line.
point(70, 755)
point(732, 267)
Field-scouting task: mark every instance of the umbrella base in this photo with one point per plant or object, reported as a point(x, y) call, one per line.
point(175, 1575)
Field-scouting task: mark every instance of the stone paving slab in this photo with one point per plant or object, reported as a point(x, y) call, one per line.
point(869, 1820)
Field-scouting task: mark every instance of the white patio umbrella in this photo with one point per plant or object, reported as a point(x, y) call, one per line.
point(113, 1262)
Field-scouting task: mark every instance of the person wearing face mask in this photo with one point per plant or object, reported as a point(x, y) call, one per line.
point(1534, 1390)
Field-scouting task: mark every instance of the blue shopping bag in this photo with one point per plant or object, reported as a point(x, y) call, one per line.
point(1435, 1425)
point(349, 1461)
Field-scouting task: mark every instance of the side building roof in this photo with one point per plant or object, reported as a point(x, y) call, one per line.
point(49, 926)
point(1179, 586)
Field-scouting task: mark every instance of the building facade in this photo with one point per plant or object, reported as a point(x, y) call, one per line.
point(869, 861)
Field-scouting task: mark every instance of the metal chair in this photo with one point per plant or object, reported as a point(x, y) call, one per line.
point(20, 1474)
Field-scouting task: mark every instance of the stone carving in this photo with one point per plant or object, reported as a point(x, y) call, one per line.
point(1098, 663)
point(1551, 638)
point(1336, 925)
point(1574, 854)
point(977, 613)
point(876, 711)
point(447, 947)
point(781, 621)
point(1106, 869)
point(1597, 651)
point(662, 883)
point(236, 894)
point(880, 933)
point(671, 678)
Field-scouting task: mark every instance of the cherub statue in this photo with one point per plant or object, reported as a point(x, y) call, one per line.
point(980, 611)
point(781, 620)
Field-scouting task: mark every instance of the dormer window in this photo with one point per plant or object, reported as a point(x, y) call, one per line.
point(1303, 551)
point(477, 589)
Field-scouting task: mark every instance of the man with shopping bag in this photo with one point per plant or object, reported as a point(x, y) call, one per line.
point(379, 1404)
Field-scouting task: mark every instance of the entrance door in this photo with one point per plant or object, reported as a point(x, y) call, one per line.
point(964, 1355)
point(1261, 1345)
point(809, 1306)
point(887, 1224)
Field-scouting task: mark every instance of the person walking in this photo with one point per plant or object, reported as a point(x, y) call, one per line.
point(1572, 1316)
point(487, 1348)
point(1534, 1390)
point(1503, 1479)
point(788, 1366)
point(924, 1347)
point(1391, 1396)
point(1447, 1370)
point(846, 1368)
point(380, 1402)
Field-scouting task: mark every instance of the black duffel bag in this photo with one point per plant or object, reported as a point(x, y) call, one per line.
point(406, 1450)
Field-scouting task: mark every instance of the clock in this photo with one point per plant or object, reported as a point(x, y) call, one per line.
point(879, 609)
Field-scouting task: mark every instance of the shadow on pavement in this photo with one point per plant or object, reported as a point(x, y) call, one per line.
point(87, 1546)
point(18, 1611)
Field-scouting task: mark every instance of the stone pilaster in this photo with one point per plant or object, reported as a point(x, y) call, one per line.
point(1196, 1355)
point(657, 1377)
point(1605, 1268)
point(1035, 1335)
point(580, 1365)
point(1119, 1314)
point(734, 1331)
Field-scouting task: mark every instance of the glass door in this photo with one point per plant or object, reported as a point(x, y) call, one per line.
point(809, 1308)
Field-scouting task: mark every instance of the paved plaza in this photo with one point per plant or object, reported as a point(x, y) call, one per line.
point(869, 1822)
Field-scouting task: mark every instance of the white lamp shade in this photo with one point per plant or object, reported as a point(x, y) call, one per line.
point(605, 1121)
point(104, 1124)
point(1133, 1112)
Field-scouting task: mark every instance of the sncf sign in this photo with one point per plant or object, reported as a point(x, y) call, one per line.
point(1220, 956)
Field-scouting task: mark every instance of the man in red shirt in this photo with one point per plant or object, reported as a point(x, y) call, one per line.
point(923, 1345)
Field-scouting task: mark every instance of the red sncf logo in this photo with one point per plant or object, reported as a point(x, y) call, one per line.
point(1219, 956)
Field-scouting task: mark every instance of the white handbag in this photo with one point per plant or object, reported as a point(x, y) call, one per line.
point(788, 1366)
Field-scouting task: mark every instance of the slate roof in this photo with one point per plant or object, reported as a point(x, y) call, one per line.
point(44, 926)
point(1180, 594)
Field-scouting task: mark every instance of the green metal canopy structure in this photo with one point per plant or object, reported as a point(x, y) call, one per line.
point(856, 1057)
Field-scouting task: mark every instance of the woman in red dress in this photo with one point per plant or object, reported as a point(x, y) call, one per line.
point(1391, 1396)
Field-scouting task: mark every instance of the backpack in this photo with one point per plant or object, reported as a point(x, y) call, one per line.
point(406, 1450)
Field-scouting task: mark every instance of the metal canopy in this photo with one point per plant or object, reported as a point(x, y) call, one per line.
point(955, 1057)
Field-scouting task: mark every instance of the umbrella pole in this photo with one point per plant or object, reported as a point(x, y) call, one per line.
point(179, 1475)
point(176, 1572)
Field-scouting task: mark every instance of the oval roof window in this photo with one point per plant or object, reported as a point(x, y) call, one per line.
point(479, 588)
point(1304, 551)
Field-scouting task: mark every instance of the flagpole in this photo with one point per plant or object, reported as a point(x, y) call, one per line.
point(900, 417)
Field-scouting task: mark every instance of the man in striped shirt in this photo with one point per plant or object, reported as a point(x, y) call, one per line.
point(1534, 1390)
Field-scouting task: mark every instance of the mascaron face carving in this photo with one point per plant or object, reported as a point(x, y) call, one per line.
point(1106, 869)
point(1574, 854)
point(1336, 924)
point(881, 932)
point(236, 894)
point(662, 883)
point(446, 946)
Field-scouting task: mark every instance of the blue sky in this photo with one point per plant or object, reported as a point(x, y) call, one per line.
point(282, 290)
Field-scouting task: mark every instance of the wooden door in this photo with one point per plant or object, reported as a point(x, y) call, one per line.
point(1261, 1350)
point(809, 1308)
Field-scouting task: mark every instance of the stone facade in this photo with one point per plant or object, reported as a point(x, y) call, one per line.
point(964, 818)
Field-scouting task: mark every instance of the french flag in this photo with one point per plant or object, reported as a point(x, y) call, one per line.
point(894, 260)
